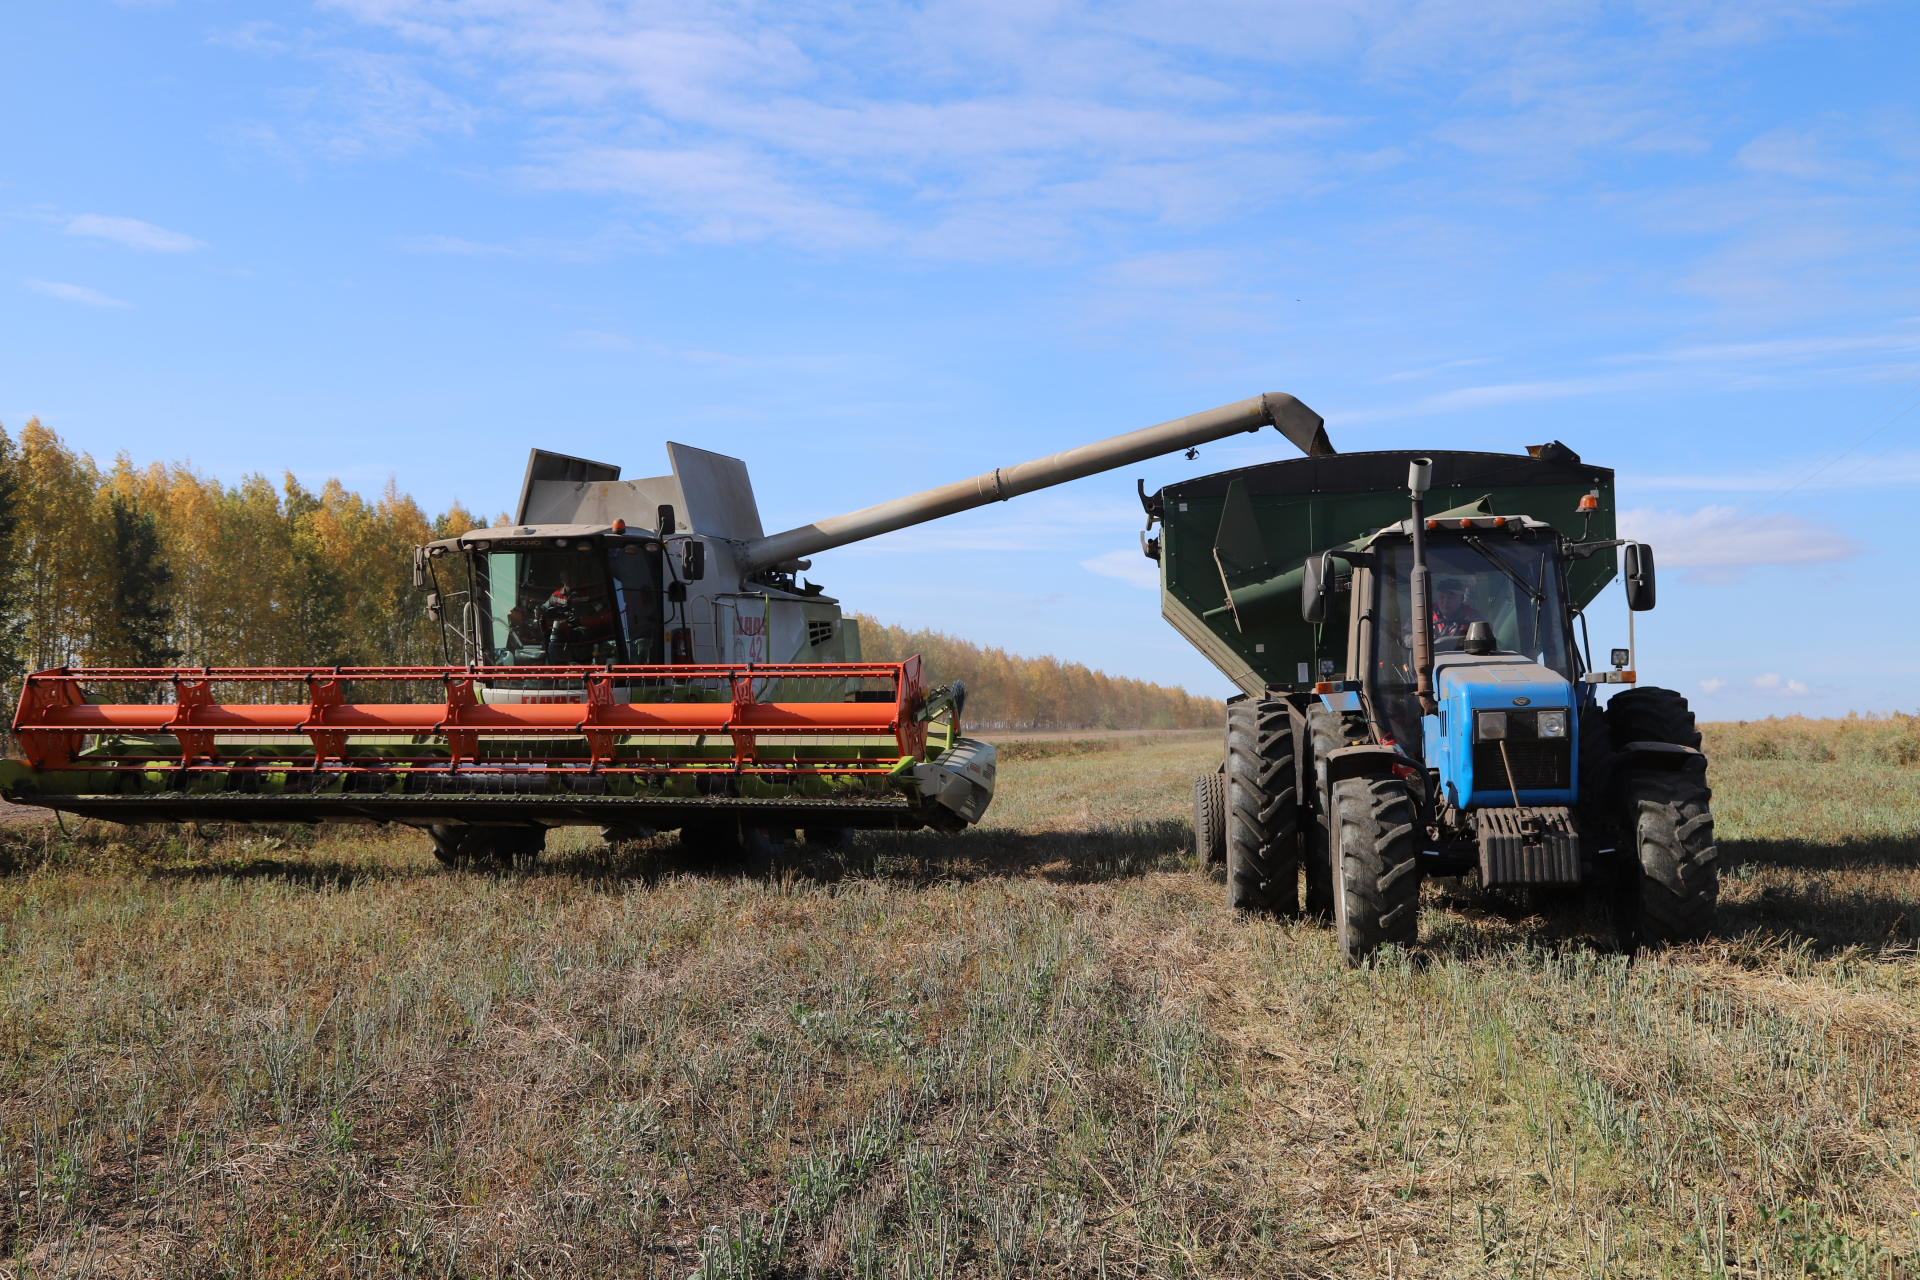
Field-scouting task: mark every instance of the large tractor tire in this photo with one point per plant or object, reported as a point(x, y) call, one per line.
point(1328, 731)
point(1671, 870)
point(1377, 898)
point(1669, 818)
point(489, 848)
point(1651, 715)
point(1210, 817)
point(1263, 833)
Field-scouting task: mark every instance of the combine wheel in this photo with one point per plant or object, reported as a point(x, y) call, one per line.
point(1378, 893)
point(831, 839)
point(484, 848)
point(1329, 731)
point(1209, 817)
point(1262, 827)
point(1671, 825)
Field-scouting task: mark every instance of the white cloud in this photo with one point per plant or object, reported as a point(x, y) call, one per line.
point(1720, 538)
point(1713, 684)
point(1128, 566)
point(132, 233)
point(75, 293)
point(1772, 683)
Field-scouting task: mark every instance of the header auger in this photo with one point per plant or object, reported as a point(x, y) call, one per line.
point(634, 655)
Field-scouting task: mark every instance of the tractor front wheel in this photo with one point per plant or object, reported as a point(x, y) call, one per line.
point(1263, 831)
point(1210, 817)
point(486, 848)
point(1668, 817)
point(1377, 892)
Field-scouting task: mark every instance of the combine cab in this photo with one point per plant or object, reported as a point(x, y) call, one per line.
point(634, 655)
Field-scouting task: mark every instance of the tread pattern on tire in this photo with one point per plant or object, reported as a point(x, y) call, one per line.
point(1262, 819)
point(1379, 884)
point(1210, 817)
point(1327, 731)
point(1672, 825)
point(1651, 715)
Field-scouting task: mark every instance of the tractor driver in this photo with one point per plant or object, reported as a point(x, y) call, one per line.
point(580, 612)
point(1451, 612)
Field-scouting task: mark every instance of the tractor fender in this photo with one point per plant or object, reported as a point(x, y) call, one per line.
point(1351, 762)
point(1668, 756)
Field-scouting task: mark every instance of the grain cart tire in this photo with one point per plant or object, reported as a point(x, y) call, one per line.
point(1378, 898)
point(1668, 816)
point(1328, 731)
point(1262, 827)
point(495, 848)
point(1209, 817)
point(1651, 715)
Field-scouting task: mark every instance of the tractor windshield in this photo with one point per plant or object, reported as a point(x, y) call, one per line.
point(542, 608)
point(1512, 583)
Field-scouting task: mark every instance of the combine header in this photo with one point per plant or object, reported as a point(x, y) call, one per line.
point(633, 655)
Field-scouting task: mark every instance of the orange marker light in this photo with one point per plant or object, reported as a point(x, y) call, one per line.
point(619, 526)
point(1433, 524)
point(1590, 502)
point(1466, 524)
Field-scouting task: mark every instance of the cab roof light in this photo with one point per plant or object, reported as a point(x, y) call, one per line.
point(619, 526)
point(1590, 501)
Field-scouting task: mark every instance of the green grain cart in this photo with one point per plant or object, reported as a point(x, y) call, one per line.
point(1418, 698)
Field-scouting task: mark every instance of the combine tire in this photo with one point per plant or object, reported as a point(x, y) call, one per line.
point(1330, 731)
point(1651, 715)
point(1378, 898)
point(1668, 818)
point(1210, 817)
point(495, 848)
point(1263, 834)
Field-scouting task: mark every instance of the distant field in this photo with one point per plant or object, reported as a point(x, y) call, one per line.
point(1043, 1047)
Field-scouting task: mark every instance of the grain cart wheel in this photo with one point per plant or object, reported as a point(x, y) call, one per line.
point(1671, 825)
point(1378, 890)
point(1329, 731)
point(1210, 817)
point(1262, 828)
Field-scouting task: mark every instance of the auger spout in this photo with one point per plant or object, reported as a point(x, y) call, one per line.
point(1293, 419)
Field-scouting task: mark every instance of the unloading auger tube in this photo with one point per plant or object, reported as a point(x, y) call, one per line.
point(1292, 419)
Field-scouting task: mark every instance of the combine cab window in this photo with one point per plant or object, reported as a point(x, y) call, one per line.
point(548, 608)
point(1511, 583)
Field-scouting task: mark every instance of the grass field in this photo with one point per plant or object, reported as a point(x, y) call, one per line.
point(1043, 1047)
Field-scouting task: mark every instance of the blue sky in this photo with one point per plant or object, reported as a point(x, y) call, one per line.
point(873, 247)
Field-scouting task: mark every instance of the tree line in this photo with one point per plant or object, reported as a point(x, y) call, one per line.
point(1007, 691)
point(161, 565)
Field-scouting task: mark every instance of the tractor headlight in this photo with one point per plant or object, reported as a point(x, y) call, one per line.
point(1490, 724)
point(1552, 724)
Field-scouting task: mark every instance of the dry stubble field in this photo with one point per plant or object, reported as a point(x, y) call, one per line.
point(1043, 1048)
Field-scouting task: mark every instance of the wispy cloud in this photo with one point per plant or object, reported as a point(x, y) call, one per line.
point(1128, 566)
point(1714, 540)
point(74, 293)
point(131, 232)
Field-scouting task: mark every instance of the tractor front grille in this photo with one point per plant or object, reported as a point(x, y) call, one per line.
point(1537, 766)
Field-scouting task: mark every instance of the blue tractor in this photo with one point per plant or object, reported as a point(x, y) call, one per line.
point(1418, 698)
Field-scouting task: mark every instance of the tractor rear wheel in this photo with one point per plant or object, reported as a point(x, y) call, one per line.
point(1263, 832)
point(1329, 731)
point(1209, 817)
point(1377, 894)
point(1668, 818)
point(1651, 715)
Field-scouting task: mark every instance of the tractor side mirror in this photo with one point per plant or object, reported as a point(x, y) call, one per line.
point(1638, 571)
point(433, 607)
point(1316, 585)
point(693, 560)
point(419, 567)
point(665, 516)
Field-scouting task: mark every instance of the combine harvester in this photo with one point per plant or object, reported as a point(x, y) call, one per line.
point(628, 654)
point(1417, 698)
